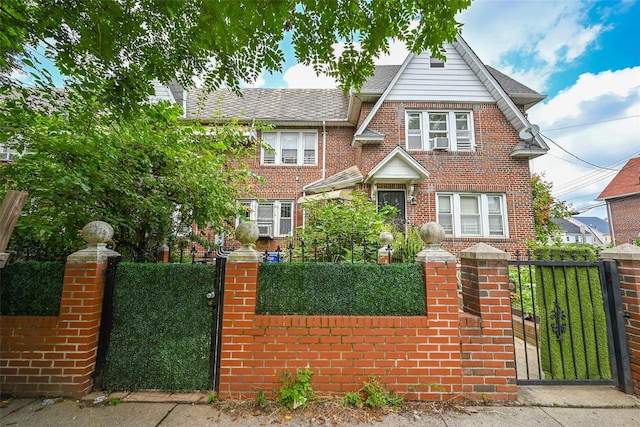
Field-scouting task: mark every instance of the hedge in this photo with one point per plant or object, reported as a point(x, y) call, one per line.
point(161, 328)
point(341, 289)
point(582, 323)
point(31, 288)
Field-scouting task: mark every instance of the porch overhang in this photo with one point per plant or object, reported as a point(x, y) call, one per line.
point(328, 195)
point(398, 167)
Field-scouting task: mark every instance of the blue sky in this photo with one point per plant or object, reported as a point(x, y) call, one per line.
point(583, 55)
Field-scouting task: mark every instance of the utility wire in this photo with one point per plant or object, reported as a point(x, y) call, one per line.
point(593, 123)
point(590, 177)
point(573, 155)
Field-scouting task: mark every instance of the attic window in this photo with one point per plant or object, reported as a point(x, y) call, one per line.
point(436, 63)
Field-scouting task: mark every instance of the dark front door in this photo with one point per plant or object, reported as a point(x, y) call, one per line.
point(397, 200)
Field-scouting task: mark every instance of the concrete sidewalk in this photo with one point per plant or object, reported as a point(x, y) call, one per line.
point(538, 406)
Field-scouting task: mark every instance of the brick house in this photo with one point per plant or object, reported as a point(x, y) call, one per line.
point(440, 140)
point(622, 196)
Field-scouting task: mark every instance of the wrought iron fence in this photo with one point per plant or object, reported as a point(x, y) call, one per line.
point(33, 250)
point(340, 250)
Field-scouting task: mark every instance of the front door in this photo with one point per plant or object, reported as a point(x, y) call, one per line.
point(396, 199)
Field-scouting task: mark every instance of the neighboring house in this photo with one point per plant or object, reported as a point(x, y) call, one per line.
point(439, 140)
point(622, 196)
point(597, 226)
point(576, 230)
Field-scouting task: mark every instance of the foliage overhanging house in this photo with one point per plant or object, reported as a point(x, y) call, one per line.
point(439, 140)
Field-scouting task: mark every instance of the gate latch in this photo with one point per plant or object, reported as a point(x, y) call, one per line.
point(211, 298)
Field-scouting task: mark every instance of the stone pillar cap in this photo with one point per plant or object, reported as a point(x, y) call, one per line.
point(483, 251)
point(626, 251)
point(247, 234)
point(96, 234)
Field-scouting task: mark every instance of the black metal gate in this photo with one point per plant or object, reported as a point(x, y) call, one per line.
point(215, 300)
point(568, 322)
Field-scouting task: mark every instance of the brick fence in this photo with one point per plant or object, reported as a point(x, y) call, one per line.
point(445, 354)
point(56, 355)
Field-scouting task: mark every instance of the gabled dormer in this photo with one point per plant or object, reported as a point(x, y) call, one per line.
point(462, 78)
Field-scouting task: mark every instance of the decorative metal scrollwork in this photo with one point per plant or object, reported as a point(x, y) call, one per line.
point(558, 325)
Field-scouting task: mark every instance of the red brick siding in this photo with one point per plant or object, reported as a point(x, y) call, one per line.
point(625, 219)
point(488, 169)
point(55, 355)
point(418, 356)
point(488, 364)
point(629, 272)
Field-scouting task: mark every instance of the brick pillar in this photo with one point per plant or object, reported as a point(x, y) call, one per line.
point(487, 332)
point(441, 291)
point(627, 258)
point(81, 309)
point(163, 253)
point(240, 297)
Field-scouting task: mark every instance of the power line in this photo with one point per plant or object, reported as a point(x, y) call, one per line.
point(573, 155)
point(594, 123)
point(590, 177)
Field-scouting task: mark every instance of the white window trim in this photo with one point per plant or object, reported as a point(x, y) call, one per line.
point(426, 143)
point(275, 220)
point(300, 148)
point(484, 214)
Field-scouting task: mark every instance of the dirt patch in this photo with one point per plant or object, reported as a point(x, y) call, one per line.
point(330, 412)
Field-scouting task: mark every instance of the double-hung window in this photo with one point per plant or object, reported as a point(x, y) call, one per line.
point(439, 130)
point(274, 218)
point(472, 215)
point(290, 147)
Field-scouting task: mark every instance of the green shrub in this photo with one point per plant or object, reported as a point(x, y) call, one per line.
point(161, 328)
point(346, 289)
point(557, 252)
point(31, 288)
point(580, 322)
point(296, 390)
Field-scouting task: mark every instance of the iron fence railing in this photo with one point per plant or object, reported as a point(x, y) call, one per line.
point(340, 250)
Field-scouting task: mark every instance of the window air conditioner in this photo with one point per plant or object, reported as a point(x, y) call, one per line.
point(440, 143)
point(265, 231)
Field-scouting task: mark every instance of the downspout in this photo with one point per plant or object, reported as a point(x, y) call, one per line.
point(613, 236)
point(324, 150)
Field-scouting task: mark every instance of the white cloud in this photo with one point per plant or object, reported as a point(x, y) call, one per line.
point(258, 82)
point(543, 35)
point(597, 119)
point(303, 76)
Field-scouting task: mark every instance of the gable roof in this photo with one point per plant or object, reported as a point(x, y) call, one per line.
point(566, 225)
point(527, 149)
point(398, 160)
point(278, 106)
point(380, 80)
point(625, 183)
point(594, 223)
point(519, 93)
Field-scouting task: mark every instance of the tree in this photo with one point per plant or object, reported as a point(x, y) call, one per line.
point(546, 207)
point(342, 221)
point(129, 43)
point(148, 175)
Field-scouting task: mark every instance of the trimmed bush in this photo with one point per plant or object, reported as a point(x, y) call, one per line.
point(583, 324)
point(341, 289)
point(31, 288)
point(161, 328)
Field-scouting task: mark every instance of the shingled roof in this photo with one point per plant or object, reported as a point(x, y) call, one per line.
point(280, 106)
point(625, 183)
point(270, 105)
